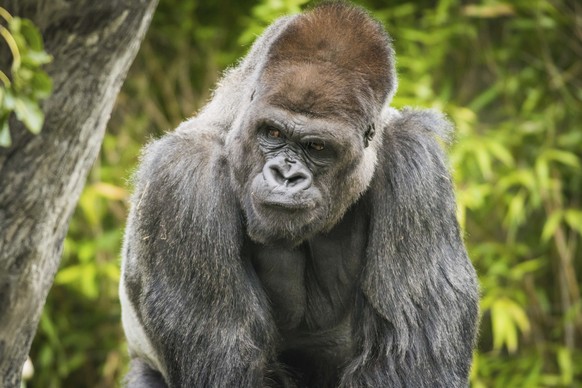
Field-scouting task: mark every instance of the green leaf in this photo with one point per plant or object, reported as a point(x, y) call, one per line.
point(69, 275)
point(29, 113)
point(5, 140)
point(89, 282)
point(519, 270)
point(516, 212)
point(42, 85)
point(8, 101)
point(551, 225)
point(484, 162)
point(507, 317)
point(566, 365)
point(504, 330)
point(574, 220)
point(31, 34)
point(563, 157)
point(36, 58)
point(543, 173)
point(23, 77)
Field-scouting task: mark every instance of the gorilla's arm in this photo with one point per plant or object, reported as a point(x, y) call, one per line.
point(183, 271)
point(420, 302)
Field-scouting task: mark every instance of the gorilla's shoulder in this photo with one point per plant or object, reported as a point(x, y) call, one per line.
point(415, 121)
point(192, 154)
point(192, 145)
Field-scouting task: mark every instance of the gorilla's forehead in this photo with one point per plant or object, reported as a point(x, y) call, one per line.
point(317, 89)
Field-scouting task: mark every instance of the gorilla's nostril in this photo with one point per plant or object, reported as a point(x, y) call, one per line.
point(272, 174)
point(296, 180)
point(293, 176)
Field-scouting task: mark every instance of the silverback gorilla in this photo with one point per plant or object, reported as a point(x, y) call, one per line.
point(299, 232)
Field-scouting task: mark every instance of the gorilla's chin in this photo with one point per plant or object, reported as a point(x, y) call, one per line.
point(290, 224)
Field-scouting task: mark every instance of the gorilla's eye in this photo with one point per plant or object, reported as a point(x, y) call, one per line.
point(316, 145)
point(274, 132)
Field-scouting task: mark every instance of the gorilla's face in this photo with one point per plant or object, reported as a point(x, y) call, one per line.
point(296, 163)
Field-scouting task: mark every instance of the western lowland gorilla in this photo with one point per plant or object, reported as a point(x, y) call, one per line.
point(298, 232)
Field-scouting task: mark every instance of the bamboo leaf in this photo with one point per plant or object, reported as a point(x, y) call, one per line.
point(543, 174)
point(507, 317)
point(564, 357)
point(574, 220)
point(564, 157)
point(484, 162)
point(516, 210)
point(551, 225)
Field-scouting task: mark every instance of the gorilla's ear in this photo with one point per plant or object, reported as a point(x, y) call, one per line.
point(369, 134)
point(417, 268)
point(320, 36)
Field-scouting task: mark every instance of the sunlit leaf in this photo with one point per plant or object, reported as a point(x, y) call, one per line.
point(566, 365)
point(484, 162)
point(29, 113)
point(507, 317)
point(89, 282)
point(488, 10)
point(529, 266)
point(36, 58)
point(69, 275)
point(543, 173)
point(516, 210)
point(88, 202)
point(551, 225)
point(504, 330)
point(30, 32)
point(563, 157)
point(8, 101)
point(574, 219)
point(520, 178)
point(5, 140)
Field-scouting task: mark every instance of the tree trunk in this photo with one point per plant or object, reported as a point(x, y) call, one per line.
point(41, 177)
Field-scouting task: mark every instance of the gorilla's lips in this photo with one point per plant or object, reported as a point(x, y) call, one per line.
point(285, 206)
point(281, 201)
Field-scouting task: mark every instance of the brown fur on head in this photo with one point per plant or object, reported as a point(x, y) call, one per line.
point(334, 57)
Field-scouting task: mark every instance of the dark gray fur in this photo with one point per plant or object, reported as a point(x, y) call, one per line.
point(382, 296)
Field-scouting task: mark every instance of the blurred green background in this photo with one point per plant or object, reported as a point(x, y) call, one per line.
point(509, 74)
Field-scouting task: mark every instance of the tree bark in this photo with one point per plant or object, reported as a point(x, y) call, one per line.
point(41, 177)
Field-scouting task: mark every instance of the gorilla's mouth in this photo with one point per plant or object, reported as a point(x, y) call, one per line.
point(285, 205)
point(272, 216)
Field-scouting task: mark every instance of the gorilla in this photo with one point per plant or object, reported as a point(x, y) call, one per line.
point(299, 232)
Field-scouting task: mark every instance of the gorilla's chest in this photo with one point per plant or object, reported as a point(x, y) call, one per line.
point(312, 287)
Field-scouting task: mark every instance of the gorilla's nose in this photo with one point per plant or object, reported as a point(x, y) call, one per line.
point(294, 176)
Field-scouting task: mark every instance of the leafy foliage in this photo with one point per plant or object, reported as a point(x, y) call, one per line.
point(508, 74)
point(27, 84)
